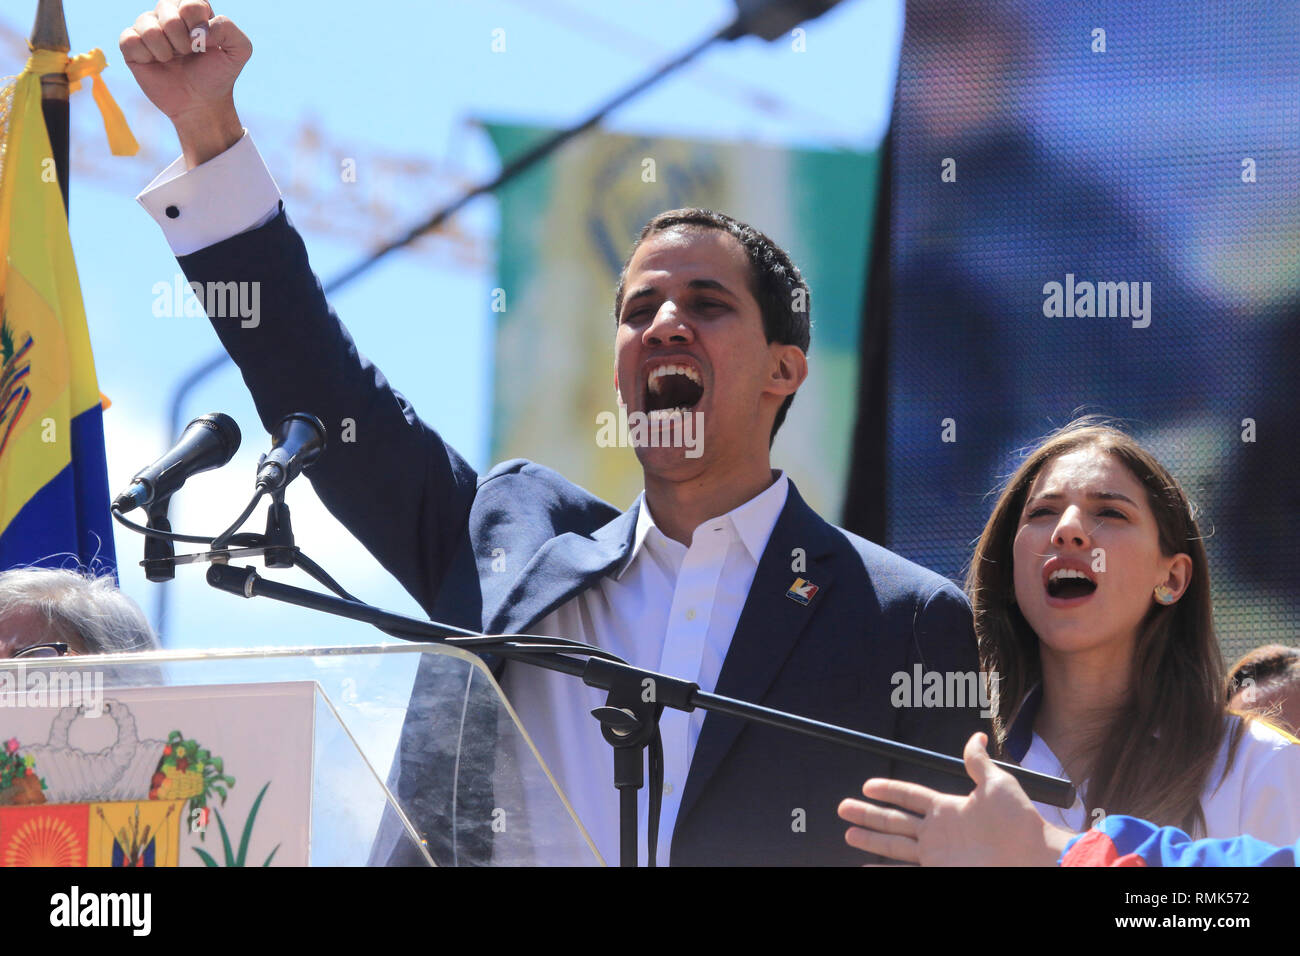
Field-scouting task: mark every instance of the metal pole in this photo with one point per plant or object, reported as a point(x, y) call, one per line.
point(50, 32)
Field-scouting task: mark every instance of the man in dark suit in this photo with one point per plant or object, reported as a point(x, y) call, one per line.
point(719, 573)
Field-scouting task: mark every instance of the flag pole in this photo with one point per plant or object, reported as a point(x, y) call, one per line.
point(50, 32)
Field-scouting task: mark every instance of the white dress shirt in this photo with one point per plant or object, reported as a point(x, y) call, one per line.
point(1260, 796)
point(669, 608)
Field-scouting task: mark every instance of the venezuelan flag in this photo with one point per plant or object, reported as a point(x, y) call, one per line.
point(53, 476)
point(1120, 840)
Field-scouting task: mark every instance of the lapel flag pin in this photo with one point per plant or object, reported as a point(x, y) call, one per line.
point(801, 591)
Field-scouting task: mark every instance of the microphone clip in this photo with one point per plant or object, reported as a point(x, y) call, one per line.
point(279, 533)
point(159, 553)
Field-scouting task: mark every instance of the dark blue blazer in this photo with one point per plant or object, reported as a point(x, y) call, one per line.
point(754, 795)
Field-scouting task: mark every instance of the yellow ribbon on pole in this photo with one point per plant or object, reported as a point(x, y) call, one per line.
point(120, 140)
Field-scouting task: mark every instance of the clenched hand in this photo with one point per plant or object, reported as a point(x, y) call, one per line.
point(186, 61)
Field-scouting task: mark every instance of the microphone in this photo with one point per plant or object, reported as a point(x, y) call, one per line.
point(208, 442)
point(296, 442)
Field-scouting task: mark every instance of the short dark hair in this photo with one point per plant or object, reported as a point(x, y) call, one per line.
point(774, 280)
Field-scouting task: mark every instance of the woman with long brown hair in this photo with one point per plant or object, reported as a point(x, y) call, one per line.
point(1091, 594)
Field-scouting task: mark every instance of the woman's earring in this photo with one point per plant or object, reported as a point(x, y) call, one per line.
point(1164, 595)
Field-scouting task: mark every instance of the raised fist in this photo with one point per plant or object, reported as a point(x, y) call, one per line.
point(186, 61)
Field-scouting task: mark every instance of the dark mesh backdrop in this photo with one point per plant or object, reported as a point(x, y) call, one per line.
point(1122, 166)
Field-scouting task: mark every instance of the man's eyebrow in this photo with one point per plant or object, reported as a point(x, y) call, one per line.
point(710, 284)
point(640, 293)
point(1095, 495)
point(713, 284)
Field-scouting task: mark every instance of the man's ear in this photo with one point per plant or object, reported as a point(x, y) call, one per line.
point(788, 371)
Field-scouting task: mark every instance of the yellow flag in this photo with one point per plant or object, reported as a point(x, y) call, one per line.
point(53, 478)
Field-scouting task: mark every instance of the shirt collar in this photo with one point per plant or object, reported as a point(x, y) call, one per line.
point(753, 521)
point(645, 522)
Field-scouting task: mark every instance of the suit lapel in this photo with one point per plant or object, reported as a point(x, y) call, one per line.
point(769, 627)
point(564, 566)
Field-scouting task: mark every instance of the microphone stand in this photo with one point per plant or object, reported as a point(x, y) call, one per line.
point(629, 721)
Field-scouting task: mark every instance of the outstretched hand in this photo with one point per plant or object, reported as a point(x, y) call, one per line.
point(995, 825)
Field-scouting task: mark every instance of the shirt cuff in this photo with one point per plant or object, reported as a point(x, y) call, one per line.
point(231, 193)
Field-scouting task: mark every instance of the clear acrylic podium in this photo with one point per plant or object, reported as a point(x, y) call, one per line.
point(481, 796)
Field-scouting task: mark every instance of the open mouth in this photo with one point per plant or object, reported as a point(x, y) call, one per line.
point(1067, 583)
point(673, 388)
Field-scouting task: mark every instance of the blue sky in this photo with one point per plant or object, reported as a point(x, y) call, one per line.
point(409, 86)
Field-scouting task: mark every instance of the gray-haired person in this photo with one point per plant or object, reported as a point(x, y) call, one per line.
point(46, 612)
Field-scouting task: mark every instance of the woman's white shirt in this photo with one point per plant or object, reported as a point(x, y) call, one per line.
point(1260, 795)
